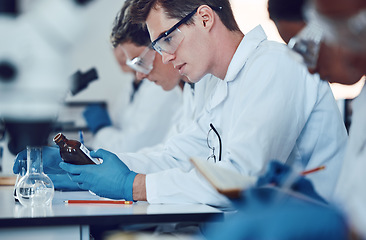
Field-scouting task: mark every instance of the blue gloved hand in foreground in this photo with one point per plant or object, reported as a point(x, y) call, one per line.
point(63, 182)
point(111, 179)
point(97, 117)
point(51, 159)
point(282, 176)
point(287, 219)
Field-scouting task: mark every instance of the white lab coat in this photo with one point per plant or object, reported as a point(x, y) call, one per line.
point(350, 193)
point(267, 107)
point(144, 122)
point(194, 99)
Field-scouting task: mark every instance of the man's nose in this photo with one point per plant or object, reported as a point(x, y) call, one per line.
point(167, 57)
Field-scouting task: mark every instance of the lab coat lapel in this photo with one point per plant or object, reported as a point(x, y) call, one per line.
point(249, 43)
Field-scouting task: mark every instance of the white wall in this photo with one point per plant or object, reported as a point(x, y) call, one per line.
point(94, 50)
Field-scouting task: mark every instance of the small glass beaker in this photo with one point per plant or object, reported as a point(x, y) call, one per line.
point(22, 172)
point(35, 188)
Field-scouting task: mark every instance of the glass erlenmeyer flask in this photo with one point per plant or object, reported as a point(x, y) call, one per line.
point(35, 188)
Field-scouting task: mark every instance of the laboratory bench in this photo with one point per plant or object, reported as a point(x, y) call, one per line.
point(75, 221)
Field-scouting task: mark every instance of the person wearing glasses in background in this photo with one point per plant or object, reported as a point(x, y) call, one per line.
point(152, 105)
point(290, 20)
point(331, 64)
point(344, 26)
point(266, 106)
point(147, 64)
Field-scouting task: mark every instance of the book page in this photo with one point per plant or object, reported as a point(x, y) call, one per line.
point(226, 181)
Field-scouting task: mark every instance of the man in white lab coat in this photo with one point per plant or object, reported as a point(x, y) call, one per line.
point(267, 106)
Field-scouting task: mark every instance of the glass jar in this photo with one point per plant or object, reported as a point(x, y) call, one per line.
point(35, 188)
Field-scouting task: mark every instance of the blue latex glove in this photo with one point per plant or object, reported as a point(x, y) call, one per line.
point(278, 173)
point(111, 179)
point(288, 219)
point(63, 182)
point(51, 159)
point(96, 117)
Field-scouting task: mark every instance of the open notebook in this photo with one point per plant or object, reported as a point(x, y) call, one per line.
point(225, 181)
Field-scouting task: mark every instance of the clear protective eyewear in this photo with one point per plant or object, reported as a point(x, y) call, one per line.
point(169, 41)
point(144, 62)
point(214, 143)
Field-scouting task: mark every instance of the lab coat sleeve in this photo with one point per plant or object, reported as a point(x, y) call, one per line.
point(184, 187)
point(287, 115)
point(170, 176)
point(174, 153)
point(350, 193)
point(146, 121)
point(274, 109)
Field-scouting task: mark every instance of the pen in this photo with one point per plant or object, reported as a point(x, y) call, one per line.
point(81, 136)
point(99, 202)
point(313, 170)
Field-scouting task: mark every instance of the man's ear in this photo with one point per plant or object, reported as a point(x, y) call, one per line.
point(206, 16)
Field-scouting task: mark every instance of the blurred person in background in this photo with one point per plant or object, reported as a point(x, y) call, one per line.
point(289, 18)
point(262, 216)
point(164, 75)
point(148, 116)
point(344, 24)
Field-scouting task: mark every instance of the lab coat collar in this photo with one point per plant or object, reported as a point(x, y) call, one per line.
point(248, 44)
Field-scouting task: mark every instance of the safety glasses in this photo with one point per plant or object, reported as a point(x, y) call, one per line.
point(169, 41)
point(144, 62)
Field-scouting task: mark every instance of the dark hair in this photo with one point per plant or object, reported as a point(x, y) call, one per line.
point(125, 31)
point(178, 9)
point(289, 10)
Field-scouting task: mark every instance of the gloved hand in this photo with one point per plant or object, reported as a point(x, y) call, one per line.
point(282, 175)
point(111, 179)
point(96, 117)
point(50, 156)
point(287, 219)
point(63, 182)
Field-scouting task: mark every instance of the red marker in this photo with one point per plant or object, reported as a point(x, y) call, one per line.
point(99, 202)
point(313, 170)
